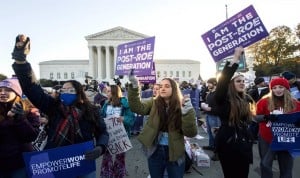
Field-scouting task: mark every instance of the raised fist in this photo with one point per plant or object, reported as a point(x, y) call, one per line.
point(22, 48)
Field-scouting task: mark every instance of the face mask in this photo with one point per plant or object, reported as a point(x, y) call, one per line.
point(104, 94)
point(67, 98)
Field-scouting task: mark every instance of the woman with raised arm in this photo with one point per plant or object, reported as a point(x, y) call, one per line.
point(234, 139)
point(171, 117)
point(72, 118)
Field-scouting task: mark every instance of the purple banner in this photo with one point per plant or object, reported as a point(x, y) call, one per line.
point(137, 55)
point(148, 78)
point(242, 29)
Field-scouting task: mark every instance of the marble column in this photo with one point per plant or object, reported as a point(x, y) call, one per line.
point(99, 59)
point(91, 61)
point(115, 60)
point(107, 63)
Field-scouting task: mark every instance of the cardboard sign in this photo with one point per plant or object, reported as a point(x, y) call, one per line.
point(137, 55)
point(118, 139)
point(61, 162)
point(242, 29)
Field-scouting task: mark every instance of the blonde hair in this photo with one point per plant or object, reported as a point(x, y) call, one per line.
point(288, 101)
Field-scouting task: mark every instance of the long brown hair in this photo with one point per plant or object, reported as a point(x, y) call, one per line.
point(170, 115)
point(240, 107)
point(116, 94)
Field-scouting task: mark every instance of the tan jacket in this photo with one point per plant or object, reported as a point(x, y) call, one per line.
point(149, 135)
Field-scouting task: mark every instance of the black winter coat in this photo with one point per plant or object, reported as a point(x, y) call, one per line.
point(226, 141)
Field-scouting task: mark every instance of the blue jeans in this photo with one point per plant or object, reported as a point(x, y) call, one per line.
point(285, 160)
point(212, 121)
point(159, 161)
point(19, 173)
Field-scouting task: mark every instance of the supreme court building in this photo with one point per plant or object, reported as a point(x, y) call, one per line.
point(102, 48)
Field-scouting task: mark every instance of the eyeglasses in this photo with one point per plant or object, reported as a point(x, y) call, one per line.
point(67, 90)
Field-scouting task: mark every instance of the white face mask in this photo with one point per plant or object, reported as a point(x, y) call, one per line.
point(104, 94)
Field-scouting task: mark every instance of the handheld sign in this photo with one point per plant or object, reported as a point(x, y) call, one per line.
point(118, 139)
point(137, 55)
point(242, 29)
point(286, 136)
point(148, 78)
point(295, 92)
point(61, 162)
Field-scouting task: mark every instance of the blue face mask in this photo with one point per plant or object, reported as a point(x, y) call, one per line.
point(67, 98)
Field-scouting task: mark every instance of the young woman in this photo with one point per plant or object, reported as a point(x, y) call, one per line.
point(18, 128)
point(72, 118)
point(233, 140)
point(101, 97)
point(279, 100)
point(155, 90)
point(169, 121)
point(116, 106)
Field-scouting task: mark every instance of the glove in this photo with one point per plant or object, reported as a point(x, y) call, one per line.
point(22, 48)
point(133, 80)
point(187, 105)
point(16, 111)
point(93, 154)
point(271, 117)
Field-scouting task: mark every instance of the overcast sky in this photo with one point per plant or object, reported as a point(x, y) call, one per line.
point(57, 28)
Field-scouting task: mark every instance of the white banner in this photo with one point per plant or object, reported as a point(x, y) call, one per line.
point(118, 139)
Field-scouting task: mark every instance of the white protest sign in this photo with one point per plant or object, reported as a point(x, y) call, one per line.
point(118, 139)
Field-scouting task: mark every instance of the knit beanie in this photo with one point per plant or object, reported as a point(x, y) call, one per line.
point(237, 74)
point(288, 75)
point(13, 84)
point(279, 81)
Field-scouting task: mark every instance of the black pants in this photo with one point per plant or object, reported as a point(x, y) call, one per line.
point(233, 165)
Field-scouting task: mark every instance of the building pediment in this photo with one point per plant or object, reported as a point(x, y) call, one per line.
point(117, 33)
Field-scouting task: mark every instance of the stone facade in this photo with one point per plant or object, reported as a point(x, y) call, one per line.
point(62, 70)
point(101, 63)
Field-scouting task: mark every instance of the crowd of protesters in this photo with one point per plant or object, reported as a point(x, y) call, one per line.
point(160, 114)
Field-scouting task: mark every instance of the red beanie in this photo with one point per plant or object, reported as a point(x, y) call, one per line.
point(279, 81)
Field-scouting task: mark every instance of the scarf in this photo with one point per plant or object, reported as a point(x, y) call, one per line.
point(68, 128)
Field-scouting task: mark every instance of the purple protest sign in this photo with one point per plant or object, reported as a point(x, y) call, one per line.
point(148, 78)
point(137, 55)
point(242, 29)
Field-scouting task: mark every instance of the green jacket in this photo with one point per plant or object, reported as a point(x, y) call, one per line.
point(150, 133)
